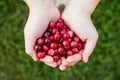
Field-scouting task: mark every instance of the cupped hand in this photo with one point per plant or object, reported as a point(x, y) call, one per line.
point(41, 13)
point(77, 15)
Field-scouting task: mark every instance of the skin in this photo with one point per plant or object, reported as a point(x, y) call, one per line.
point(41, 13)
point(77, 15)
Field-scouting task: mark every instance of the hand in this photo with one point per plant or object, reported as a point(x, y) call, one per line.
point(77, 15)
point(41, 13)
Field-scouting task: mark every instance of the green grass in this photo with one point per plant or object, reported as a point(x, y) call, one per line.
point(15, 64)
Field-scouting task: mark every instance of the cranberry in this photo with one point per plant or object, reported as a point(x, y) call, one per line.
point(66, 35)
point(47, 34)
point(45, 48)
point(52, 24)
point(65, 42)
point(60, 45)
point(56, 52)
point(57, 37)
point(73, 44)
point(71, 33)
point(80, 46)
point(49, 30)
point(76, 38)
point(75, 50)
point(61, 40)
point(59, 25)
point(65, 26)
point(60, 20)
point(56, 58)
point(55, 30)
point(62, 32)
point(51, 52)
point(60, 49)
point(40, 55)
point(64, 54)
point(69, 39)
point(40, 41)
point(47, 41)
point(53, 45)
point(67, 47)
point(70, 52)
point(52, 37)
point(37, 48)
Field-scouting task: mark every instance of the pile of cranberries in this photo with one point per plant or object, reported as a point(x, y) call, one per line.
point(58, 41)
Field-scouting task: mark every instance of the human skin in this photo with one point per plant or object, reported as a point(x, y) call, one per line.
point(41, 12)
point(77, 15)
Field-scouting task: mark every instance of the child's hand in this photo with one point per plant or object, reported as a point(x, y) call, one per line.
point(41, 13)
point(77, 15)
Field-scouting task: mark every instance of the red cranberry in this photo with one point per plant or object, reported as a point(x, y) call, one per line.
point(71, 33)
point(51, 52)
point(53, 45)
point(47, 34)
point(47, 41)
point(61, 40)
point(49, 30)
point(57, 37)
point(67, 47)
point(45, 48)
point(40, 41)
point(76, 38)
point(52, 37)
point(52, 24)
point(60, 49)
point(40, 55)
point(56, 58)
point(55, 30)
point(79, 46)
point(73, 44)
point(64, 54)
point(65, 42)
point(75, 50)
point(37, 48)
point(65, 26)
point(70, 52)
point(59, 25)
point(69, 39)
point(66, 35)
point(60, 45)
point(62, 31)
point(56, 52)
point(60, 20)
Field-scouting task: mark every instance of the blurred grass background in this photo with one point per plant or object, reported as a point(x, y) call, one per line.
point(15, 64)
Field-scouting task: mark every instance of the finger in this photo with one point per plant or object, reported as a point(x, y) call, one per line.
point(65, 63)
point(53, 64)
point(47, 59)
point(62, 67)
point(29, 48)
point(73, 63)
point(59, 62)
point(75, 57)
point(89, 46)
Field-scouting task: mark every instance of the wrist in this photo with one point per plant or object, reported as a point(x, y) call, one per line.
point(83, 6)
point(41, 4)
